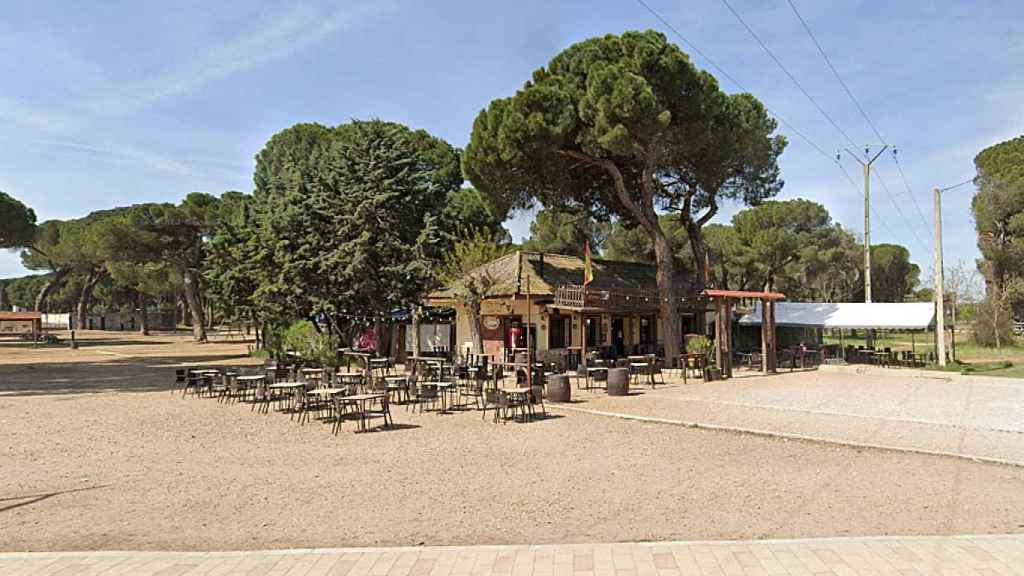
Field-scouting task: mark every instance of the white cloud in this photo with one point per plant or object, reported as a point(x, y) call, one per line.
point(134, 154)
point(19, 113)
point(279, 36)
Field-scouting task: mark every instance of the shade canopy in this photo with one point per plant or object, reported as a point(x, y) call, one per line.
point(852, 315)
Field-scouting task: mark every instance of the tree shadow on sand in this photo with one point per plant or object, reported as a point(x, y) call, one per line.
point(143, 374)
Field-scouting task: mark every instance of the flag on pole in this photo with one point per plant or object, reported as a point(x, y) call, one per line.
point(588, 266)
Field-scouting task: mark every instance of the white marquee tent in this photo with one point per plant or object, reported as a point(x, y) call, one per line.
point(849, 315)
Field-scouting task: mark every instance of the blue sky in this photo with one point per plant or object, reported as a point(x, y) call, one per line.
point(108, 104)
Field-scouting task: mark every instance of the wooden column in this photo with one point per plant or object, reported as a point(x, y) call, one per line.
point(764, 336)
point(718, 335)
point(727, 329)
point(583, 341)
point(773, 344)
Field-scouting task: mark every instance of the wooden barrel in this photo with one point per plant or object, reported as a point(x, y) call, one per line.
point(558, 388)
point(618, 381)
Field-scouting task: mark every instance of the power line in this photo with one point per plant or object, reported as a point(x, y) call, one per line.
point(739, 85)
point(874, 211)
point(899, 210)
point(863, 113)
point(728, 76)
point(964, 183)
point(910, 192)
point(788, 73)
point(835, 72)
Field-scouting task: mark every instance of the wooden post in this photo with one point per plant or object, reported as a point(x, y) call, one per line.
point(583, 341)
point(773, 343)
point(764, 336)
point(529, 342)
point(718, 335)
point(727, 328)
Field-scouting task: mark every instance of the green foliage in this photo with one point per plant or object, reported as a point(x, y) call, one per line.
point(21, 292)
point(893, 276)
point(698, 343)
point(311, 345)
point(233, 258)
point(632, 244)
point(467, 210)
point(562, 232)
point(350, 218)
point(619, 125)
point(998, 210)
point(777, 234)
point(993, 316)
point(465, 271)
point(17, 222)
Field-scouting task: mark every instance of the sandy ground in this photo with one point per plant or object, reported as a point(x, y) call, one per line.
point(96, 453)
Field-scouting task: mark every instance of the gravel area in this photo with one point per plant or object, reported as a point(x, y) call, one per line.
point(97, 454)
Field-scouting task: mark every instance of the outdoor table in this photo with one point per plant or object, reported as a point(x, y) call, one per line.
point(882, 357)
point(589, 374)
point(443, 389)
point(352, 378)
point(522, 396)
point(286, 386)
point(637, 369)
point(397, 383)
point(363, 400)
point(249, 379)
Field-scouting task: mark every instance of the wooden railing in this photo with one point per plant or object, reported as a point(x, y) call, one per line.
point(627, 299)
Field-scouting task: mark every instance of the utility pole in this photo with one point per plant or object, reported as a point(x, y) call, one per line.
point(867, 211)
point(940, 311)
point(867, 221)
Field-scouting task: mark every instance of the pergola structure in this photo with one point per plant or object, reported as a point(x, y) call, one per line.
point(723, 302)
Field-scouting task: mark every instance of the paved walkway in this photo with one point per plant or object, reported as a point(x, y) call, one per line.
point(896, 556)
point(929, 412)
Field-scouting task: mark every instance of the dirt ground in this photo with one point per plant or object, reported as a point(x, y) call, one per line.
point(97, 453)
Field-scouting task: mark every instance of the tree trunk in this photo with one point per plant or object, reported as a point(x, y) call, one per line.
point(85, 295)
point(668, 306)
point(143, 315)
point(700, 254)
point(475, 334)
point(52, 284)
point(415, 343)
point(194, 306)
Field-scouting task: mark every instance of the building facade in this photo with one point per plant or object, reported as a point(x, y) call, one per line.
point(540, 298)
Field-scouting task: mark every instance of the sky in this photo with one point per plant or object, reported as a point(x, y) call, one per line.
point(114, 103)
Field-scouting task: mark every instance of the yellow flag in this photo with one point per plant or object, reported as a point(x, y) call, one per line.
point(588, 266)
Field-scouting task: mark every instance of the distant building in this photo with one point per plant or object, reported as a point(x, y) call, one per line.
point(20, 323)
point(130, 321)
point(619, 310)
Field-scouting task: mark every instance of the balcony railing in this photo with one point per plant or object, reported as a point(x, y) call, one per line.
point(625, 299)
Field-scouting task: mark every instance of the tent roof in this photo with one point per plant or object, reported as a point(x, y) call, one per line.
point(906, 316)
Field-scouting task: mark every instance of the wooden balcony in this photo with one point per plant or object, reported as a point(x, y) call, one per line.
point(576, 297)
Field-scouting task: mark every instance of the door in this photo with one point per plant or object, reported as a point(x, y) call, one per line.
point(618, 335)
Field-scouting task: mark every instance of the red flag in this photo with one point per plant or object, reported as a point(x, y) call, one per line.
point(588, 266)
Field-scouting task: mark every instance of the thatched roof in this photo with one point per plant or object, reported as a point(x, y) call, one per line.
point(548, 271)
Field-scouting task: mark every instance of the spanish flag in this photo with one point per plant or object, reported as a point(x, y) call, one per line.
point(588, 266)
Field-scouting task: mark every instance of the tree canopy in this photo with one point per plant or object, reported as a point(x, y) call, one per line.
point(998, 209)
point(618, 126)
point(17, 222)
point(351, 217)
point(563, 232)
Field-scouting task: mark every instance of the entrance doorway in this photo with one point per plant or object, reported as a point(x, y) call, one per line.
point(618, 336)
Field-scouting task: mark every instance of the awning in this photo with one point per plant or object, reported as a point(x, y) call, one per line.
point(851, 315)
